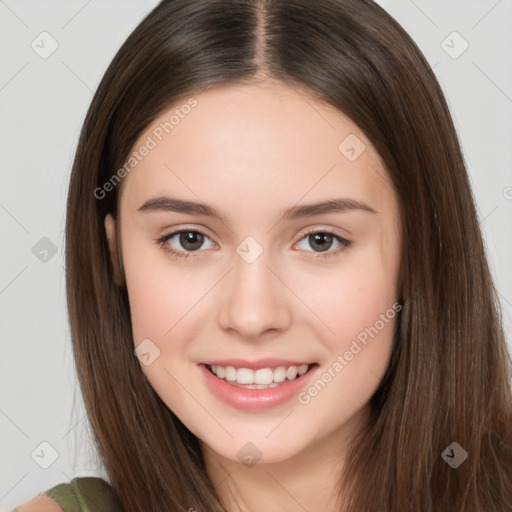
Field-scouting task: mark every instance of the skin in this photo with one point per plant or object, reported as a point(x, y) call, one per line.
point(40, 503)
point(251, 151)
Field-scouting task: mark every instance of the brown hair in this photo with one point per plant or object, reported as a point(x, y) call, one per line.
point(449, 376)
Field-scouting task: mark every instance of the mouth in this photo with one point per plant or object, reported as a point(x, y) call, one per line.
point(260, 378)
point(258, 388)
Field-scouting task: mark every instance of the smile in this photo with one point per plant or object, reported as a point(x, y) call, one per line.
point(259, 389)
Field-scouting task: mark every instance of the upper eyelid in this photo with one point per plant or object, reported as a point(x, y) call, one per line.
point(319, 226)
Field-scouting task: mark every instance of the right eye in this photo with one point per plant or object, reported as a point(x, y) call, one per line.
point(190, 239)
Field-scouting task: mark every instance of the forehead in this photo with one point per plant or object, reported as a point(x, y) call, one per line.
point(253, 146)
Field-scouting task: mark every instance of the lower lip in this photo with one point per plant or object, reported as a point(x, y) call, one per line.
point(255, 399)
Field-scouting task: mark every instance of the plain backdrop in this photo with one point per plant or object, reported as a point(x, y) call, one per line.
point(44, 440)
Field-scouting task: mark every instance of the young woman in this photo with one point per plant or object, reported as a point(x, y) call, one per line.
point(277, 287)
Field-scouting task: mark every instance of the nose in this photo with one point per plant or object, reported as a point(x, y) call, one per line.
point(254, 299)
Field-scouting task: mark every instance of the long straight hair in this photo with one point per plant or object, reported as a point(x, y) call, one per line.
point(449, 377)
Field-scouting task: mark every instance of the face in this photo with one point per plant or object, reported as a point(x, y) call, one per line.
point(266, 279)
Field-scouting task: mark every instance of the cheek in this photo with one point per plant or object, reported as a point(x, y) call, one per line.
point(153, 305)
point(160, 294)
point(355, 295)
point(360, 309)
point(164, 306)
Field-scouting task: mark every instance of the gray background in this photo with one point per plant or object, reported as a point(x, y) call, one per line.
point(42, 105)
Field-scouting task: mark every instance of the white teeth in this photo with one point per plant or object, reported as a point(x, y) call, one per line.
point(303, 369)
point(280, 374)
point(245, 376)
point(261, 378)
point(291, 373)
point(260, 386)
point(230, 373)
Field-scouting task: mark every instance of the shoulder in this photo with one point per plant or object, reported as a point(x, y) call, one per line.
point(41, 503)
point(84, 494)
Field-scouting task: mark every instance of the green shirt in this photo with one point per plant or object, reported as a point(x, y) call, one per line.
point(84, 494)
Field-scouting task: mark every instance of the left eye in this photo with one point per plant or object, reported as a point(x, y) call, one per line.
point(192, 240)
point(324, 239)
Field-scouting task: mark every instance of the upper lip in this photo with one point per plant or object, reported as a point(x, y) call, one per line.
point(268, 362)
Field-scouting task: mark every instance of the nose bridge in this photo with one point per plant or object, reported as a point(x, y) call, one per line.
point(252, 301)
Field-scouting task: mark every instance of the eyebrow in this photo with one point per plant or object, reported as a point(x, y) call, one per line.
point(173, 204)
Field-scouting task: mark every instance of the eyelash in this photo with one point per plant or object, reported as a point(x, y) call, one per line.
point(345, 244)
